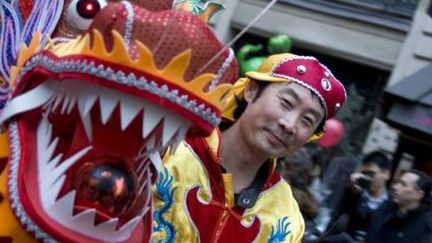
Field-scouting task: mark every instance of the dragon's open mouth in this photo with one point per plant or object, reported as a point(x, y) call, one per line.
point(89, 118)
point(97, 151)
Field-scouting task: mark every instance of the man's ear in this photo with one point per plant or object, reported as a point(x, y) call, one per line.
point(419, 194)
point(251, 91)
point(386, 174)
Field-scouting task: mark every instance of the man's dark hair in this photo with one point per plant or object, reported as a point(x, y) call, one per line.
point(429, 10)
point(423, 183)
point(242, 104)
point(379, 159)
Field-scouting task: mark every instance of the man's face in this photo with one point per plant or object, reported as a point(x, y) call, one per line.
point(378, 176)
point(405, 190)
point(281, 119)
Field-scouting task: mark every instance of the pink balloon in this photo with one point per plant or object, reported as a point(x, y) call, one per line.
point(334, 131)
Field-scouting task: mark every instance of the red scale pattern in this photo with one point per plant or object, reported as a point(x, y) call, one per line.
point(25, 8)
point(167, 34)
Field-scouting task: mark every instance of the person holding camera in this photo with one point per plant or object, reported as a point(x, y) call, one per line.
point(407, 217)
point(366, 193)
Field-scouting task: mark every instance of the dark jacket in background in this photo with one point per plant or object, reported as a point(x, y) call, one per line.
point(387, 226)
point(355, 206)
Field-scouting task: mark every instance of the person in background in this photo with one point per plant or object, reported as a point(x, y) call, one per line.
point(407, 217)
point(297, 169)
point(366, 193)
point(329, 184)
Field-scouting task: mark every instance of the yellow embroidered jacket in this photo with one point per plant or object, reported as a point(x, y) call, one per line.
point(194, 201)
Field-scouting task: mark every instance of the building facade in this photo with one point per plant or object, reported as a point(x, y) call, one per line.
point(387, 40)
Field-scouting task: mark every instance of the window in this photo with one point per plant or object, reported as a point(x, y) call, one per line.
point(395, 14)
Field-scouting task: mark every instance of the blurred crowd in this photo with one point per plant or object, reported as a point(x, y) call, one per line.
point(347, 201)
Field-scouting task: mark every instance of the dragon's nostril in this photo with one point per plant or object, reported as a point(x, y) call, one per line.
point(108, 185)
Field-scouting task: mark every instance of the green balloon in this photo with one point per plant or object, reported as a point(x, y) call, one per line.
point(248, 62)
point(279, 44)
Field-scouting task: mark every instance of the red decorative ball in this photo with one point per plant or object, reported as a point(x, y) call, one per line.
point(107, 185)
point(334, 131)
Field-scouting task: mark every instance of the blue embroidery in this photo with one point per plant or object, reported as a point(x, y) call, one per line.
point(281, 231)
point(163, 231)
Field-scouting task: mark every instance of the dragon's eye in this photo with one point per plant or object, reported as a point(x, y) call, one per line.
point(80, 13)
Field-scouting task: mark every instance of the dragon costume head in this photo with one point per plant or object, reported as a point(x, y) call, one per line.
point(61, 20)
point(88, 119)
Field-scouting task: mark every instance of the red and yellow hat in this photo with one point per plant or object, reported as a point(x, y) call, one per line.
point(304, 70)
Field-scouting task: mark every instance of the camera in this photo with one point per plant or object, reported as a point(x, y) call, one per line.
point(364, 182)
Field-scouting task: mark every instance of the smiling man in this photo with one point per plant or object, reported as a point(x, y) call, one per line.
point(229, 190)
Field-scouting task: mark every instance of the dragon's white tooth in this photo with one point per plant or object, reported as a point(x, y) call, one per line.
point(142, 164)
point(42, 157)
point(71, 105)
point(47, 105)
point(57, 102)
point(141, 153)
point(51, 187)
point(148, 146)
point(129, 108)
point(108, 227)
point(82, 101)
point(53, 191)
point(107, 104)
point(37, 97)
point(52, 164)
point(49, 151)
point(170, 126)
point(84, 106)
point(85, 219)
point(63, 208)
point(155, 158)
point(180, 134)
point(147, 196)
point(88, 127)
point(45, 178)
point(174, 146)
point(48, 128)
point(151, 117)
point(63, 167)
point(151, 143)
point(43, 140)
point(145, 209)
point(145, 180)
point(65, 105)
point(126, 230)
point(183, 130)
point(90, 102)
point(86, 103)
point(142, 168)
